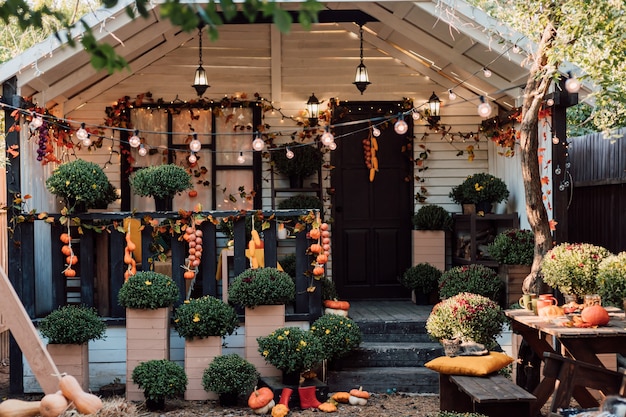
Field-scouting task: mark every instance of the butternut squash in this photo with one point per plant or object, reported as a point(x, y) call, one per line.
point(53, 405)
point(19, 408)
point(84, 402)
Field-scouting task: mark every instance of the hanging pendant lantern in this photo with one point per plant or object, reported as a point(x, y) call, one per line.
point(361, 80)
point(200, 80)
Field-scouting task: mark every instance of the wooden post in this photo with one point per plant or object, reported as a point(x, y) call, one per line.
point(26, 336)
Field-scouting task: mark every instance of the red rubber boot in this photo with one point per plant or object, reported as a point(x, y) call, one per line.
point(285, 396)
point(308, 398)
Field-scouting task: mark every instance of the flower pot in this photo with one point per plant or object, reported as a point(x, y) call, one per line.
point(163, 203)
point(429, 246)
point(469, 208)
point(199, 353)
point(73, 360)
point(228, 399)
point(419, 298)
point(261, 321)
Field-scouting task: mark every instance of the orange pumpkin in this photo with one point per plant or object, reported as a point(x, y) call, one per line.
point(280, 410)
point(316, 248)
point(322, 258)
point(314, 233)
point(337, 305)
point(66, 250)
point(341, 397)
point(595, 315)
point(327, 407)
point(358, 396)
point(193, 193)
point(65, 238)
point(69, 272)
point(189, 274)
point(324, 226)
point(261, 400)
point(318, 271)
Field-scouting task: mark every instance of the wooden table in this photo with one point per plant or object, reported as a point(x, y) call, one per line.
point(581, 344)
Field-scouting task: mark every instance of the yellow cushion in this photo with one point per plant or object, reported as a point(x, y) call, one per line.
point(470, 365)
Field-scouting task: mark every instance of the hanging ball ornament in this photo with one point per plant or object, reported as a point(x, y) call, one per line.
point(327, 138)
point(258, 144)
point(289, 154)
point(375, 131)
point(401, 127)
point(134, 141)
point(195, 145)
point(142, 151)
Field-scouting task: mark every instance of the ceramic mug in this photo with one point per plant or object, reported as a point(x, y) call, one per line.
point(526, 301)
point(546, 300)
point(283, 233)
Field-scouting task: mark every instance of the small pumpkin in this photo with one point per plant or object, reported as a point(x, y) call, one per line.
point(337, 305)
point(595, 315)
point(318, 271)
point(84, 402)
point(280, 410)
point(327, 407)
point(315, 233)
point(19, 408)
point(261, 401)
point(53, 405)
point(343, 313)
point(341, 397)
point(358, 396)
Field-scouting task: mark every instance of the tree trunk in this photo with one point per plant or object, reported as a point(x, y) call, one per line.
point(539, 80)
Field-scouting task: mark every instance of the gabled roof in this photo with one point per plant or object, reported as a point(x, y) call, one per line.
point(447, 41)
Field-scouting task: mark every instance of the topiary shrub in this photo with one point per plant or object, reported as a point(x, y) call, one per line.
point(432, 217)
point(475, 279)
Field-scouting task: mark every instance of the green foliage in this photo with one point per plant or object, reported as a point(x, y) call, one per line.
point(513, 247)
point(261, 286)
point(291, 349)
point(573, 267)
point(148, 290)
point(288, 263)
point(204, 317)
point(72, 325)
point(230, 374)
point(160, 180)
point(301, 201)
point(307, 159)
point(160, 378)
point(329, 291)
point(422, 277)
point(480, 187)
point(469, 317)
point(81, 181)
point(339, 335)
point(475, 279)
point(611, 279)
point(432, 217)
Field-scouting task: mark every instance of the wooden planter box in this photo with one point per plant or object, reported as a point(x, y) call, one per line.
point(513, 277)
point(72, 360)
point(430, 246)
point(199, 353)
point(147, 338)
point(261, 321)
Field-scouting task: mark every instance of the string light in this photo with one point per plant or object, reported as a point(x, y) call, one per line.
point(401, 127)
point(550, 102)
point(241, 159)
point(484, 108)
point(451, 94)
point(142, 150)
point(486, 72)
point(556, 140)
point(416, 115)
point(332, 146)
point(195, 145)
point(258, 144)
point(572, 84)
point(36, 122)
point(375, 131)
point(192, 158)
point(135, 140)
point(82, 134)
point(327, 137)
point(289, 153)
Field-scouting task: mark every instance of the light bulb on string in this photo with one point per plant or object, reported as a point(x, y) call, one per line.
point(486, 72)
point(400, 127)
point(258, 144)
point(241, 159)
point(134, 141)
point(572, 85)
point(195, 145)
point(557, 170)
point(550, 102)
point(82, 134)
point(451, 94)
point(87, 141)
point(289, 154)
point(142, 150)
point(332, 146)
point(327, 137)
point(36, 122)
point(192, 158)
point(484, 108)
point(416, 115)
point(556, 140)
point(375, 131)
point(516, 49)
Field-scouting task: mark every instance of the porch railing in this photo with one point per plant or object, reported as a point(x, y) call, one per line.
point(104, 251)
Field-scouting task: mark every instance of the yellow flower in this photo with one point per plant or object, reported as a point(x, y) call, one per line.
point(186, 301)
point(67, 182)
point(280, 338)
point(196, 318)
point(94, 186)
point(302, 343)
point(478, 187)
point(148, 282)
point(265, 353)
point(327, 331)
point(286, 332)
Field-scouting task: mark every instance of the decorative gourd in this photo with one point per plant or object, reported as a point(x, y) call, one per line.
point(337, 305)
point(261, 401)
point(327, 407)
point(595, 315)
point(358, 396)
point(341, 397)
point(550, 312)
point(84, 402)
point(343, 313)
point(19, 408)
point(53, 405)
point(280, 410)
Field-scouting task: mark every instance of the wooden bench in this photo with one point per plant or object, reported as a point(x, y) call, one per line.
point(569, 378)
point(493, 395)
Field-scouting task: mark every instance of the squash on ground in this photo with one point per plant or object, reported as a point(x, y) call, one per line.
point(53, 405)
point(19, 408)
point(358, 396)
point(261, 401)
point(84, 402)
point(327, 407)
point(341, 397)
point(280, 410)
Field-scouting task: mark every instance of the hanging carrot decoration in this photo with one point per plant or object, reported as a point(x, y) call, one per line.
point(129, 260)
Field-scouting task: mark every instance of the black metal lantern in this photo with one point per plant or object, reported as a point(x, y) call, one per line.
point(361, 79)
point(313, 107)
point(434, 105)
point(200, 81)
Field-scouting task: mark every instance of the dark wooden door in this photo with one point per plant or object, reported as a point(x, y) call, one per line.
point(372, 219)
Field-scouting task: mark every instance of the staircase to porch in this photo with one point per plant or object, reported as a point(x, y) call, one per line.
point(394, 350)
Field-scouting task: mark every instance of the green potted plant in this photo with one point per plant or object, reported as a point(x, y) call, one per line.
point(261, 286)
point(82, 185)
point(514, 250)
point(306, 161)
point(466, 317)
point(611, 280)
point(230, 376)
point(292, 350)
point(159, 379)
point(475, 279)
point(68, 330)
point(481, 189)
point(422, 279)
point(148, 290)
point(431, 223)
point(572, 268)
point(338, 335)
point(204, 317)
point(162, 182)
